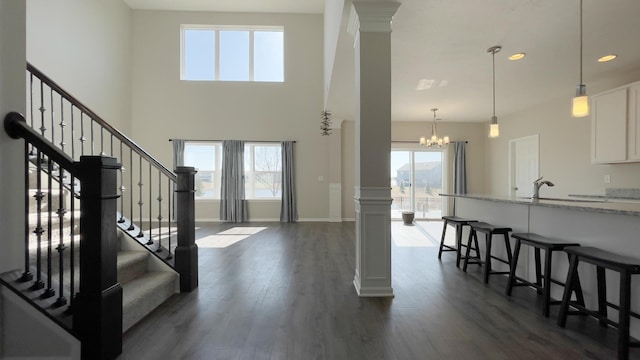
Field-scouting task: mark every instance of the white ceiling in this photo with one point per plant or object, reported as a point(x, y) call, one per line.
point(268, 6)
point(447, 40)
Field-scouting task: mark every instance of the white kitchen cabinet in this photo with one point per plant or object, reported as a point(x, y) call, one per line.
point(633, 113)
point(609, 126)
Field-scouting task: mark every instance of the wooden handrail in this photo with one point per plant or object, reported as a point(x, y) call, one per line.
point(122, 137)
point(16, 126)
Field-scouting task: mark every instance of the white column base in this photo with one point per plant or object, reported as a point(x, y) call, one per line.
point(373, 242)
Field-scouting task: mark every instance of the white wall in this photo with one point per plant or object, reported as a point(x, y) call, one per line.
point(33, 335)
point(333, 10)
point(85, 47)
point(565, 145)
point(12, 62)
point(165, 107)
point(12, 90)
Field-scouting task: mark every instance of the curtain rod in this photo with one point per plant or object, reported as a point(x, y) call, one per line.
point(251, 141)
point(415, 142)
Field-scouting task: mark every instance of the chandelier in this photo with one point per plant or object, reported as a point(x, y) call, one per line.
point(434, 140)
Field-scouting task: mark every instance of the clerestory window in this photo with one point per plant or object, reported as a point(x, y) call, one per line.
point(232, 53)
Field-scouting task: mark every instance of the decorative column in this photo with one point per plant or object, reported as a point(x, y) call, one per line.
point(372, 28)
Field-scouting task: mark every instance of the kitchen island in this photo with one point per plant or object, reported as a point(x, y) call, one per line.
point(610, 225)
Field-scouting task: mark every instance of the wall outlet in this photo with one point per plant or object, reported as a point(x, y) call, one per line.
point(607, 179)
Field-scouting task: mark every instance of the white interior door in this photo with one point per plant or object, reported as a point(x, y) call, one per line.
point(524, 165)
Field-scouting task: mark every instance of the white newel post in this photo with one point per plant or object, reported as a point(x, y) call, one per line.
point(372, 29)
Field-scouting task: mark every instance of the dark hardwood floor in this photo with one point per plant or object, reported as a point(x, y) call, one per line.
point(286, 292)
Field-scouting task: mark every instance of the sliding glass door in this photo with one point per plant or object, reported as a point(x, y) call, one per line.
point(417, 177)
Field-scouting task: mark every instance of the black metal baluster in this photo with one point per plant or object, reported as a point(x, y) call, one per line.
point(140, 202)
point(171, 216)
point(131, 227)
point(31, 99)
point(26, 275)
point(31, 151)
point(61, 301)
point(111, 153)
point(73, 143)
point(122, 188)
point(50, 291)
point(53, 126)
point(150, 241)
point(38, 284)
point(72, 255)
point(42, 110)
point(159, 211)
point(101, 140)
point(92, 139)
point(82, 138)
point(62, 126)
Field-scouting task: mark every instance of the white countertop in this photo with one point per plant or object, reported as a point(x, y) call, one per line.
point(609, 206)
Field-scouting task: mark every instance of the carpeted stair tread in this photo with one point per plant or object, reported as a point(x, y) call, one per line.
point(145, 293)
point(131, 264)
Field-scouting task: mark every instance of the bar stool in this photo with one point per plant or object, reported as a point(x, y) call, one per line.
point(602, 259)
point(459, 223)
point(549, 245)
point(488, 230)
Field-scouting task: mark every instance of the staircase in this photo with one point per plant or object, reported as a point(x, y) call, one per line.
point(146, 281)
point(88, 265)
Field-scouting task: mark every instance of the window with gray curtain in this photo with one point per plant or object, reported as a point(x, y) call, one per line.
point(233, 206)
point(460, 168)
point(288, 209)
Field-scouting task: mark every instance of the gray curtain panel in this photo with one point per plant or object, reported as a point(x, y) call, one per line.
point(178, 153)
point(460, 168)
point(288, 209)
point(178, 160)
point(233, 206)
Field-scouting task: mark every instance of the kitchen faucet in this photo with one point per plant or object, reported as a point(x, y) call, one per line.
point(537, 184)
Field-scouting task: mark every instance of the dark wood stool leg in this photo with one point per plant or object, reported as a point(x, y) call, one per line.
point(507, 245)
point(568, 287)
point(444, 231)
point(487, 256)
point(624, 315)
point(477, 249)
point(513, 266)
point(459, 228)
point(578, 287)
point(538, 270)
point(547, 282)
point(602, 295)
point(472, 233)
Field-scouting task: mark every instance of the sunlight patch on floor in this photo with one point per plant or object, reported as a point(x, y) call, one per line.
point(247, 230)
point(409, 235)
point(228, 237)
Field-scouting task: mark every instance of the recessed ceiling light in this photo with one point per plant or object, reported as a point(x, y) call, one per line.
point(607, 58)
point(517, 56)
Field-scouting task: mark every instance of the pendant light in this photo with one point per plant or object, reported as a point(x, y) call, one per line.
point(434, 140)
point(494, 128)
point(580, 105)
